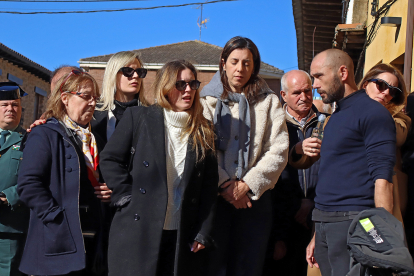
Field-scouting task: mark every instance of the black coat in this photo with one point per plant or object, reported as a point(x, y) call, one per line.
point(294, 184)
point(99, 125)
point(137, 227)
point(304, 180)
point(99, 122)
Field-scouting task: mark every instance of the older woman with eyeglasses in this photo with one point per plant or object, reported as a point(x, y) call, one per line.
point(161, 165)
point(385, 84)
point(122, 87)
point(57, 182)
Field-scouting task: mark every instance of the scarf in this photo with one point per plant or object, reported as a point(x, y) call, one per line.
point(222, 119)
point(89, 148)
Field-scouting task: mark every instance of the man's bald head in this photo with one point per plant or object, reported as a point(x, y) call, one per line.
point(60, 72)
point(334, 59)
point(333, 75)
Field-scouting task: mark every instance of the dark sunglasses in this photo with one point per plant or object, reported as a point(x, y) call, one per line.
point(73, 72)
point(181, 85)
point(86, 97)
point(129, 72)
point(383, 85)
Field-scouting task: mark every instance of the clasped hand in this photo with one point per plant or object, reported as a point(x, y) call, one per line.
point(234, 191)
point(103, 192)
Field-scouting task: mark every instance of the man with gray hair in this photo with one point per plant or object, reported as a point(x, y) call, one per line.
point(294, 193)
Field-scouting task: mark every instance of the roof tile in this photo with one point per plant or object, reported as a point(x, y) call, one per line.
point(194, 51)
point(23, 62)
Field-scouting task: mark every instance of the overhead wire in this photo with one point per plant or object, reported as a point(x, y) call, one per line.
point(373, 31)
point(119, 10)
point(69, 1)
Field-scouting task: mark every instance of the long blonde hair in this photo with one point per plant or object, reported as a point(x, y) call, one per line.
point(199, 128)
point(109, 85)
point(55, 107)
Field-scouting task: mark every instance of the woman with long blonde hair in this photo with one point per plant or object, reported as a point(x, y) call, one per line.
point(161, 166)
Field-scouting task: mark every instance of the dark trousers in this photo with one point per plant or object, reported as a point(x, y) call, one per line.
point(241, 236)
point(331, 249)
point(11, 250)
point(166, 256)
point(294, 262)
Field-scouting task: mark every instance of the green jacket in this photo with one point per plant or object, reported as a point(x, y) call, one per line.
point(14, 216)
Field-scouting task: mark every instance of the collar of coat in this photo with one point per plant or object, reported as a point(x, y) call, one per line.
point(308, 122)
point(16, 137)
point(54, 124)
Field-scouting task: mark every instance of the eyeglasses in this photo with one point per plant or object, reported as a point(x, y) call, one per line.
point(87, 97)
point(73, 72)
point(181, 85)
point(383, 85)
point(129, 72)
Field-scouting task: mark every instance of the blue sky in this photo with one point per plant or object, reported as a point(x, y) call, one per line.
point(52, 40)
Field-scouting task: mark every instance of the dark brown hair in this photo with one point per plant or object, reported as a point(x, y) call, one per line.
point(255, 84)
point(397, 103)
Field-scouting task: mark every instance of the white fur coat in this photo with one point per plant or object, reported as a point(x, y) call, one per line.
point(269, 144)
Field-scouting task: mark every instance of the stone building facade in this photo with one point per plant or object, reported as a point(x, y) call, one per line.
point(33, 79)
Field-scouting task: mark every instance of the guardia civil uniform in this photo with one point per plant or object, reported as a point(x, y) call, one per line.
point(14, 216)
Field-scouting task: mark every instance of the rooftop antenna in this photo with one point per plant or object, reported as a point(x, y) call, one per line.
point(200, 22)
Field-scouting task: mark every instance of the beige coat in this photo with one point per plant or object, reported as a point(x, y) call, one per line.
point(402, 125)
point(269, 143)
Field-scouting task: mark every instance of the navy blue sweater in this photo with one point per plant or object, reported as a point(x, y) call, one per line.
point(358, 148)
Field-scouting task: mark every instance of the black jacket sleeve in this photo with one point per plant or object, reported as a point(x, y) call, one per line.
point(208, 200)
point(114, 159)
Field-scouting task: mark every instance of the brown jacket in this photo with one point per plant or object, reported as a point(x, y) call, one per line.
point(402, 125)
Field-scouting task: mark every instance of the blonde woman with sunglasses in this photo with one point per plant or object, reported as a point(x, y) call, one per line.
point(385, 84)
point(122, 87)
point(161, 166)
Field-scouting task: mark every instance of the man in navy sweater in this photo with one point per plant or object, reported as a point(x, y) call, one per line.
point(357, 160)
